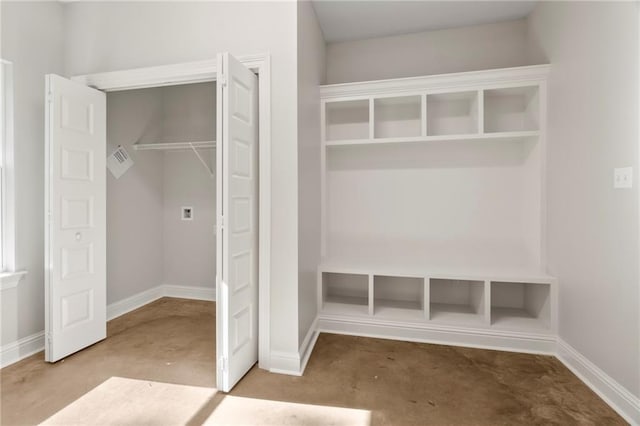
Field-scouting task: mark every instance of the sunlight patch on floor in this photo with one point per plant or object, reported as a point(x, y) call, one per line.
point(234, 410)
point(125, 401)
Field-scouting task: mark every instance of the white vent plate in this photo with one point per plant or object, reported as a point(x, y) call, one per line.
point(119, 162)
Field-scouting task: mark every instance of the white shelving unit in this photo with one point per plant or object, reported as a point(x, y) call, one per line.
point(433, 210)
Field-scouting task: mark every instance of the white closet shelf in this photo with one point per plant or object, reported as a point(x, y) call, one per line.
point(169, 146)
point(497, 136)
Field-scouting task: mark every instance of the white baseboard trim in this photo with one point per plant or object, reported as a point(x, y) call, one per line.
point(442, 335)
point(307, 345)
point(294, 363)
point(613, 393)
point(27, 346)
point(131, 303)
point(188, 292)
point(20, 349)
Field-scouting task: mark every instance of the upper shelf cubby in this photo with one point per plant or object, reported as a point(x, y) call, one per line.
point(483, 105)
point(347, 120)
point(398, 117)
point(511, 109)
point(452, 113)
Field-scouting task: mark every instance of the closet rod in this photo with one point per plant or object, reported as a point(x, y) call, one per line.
point(173, 145)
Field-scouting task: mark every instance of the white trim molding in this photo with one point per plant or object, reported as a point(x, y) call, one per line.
point(7, 181)
point(613, 393)
point(10, 279)
point(201, 71)
point(21, 349)
point(440, 335)
point(207, 293)
point(292, 363)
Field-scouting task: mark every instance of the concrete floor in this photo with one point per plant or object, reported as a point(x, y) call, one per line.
point(173, 341)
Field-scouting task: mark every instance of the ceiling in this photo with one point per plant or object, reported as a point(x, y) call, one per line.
point(359, 19)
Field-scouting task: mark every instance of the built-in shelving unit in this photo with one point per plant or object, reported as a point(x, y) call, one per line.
point(433, 209)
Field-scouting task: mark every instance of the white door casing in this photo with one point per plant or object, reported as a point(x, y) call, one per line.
point(75, 217)
point(237, 218)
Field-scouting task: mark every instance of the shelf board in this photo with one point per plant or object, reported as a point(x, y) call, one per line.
point(398, 309)
point(346, 305)
point(173, 146)
point(507, 136)
point(456, 314)
point(517, 319)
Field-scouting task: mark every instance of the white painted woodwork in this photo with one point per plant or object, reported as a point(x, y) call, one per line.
point(75, 217)
point(237, 254)
point(433, 206)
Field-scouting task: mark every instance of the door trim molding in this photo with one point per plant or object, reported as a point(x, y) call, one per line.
point(197, 72)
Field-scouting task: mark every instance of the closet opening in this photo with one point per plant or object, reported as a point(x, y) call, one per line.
point(184, 210)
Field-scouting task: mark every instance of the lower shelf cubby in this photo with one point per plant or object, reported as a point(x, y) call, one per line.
point(345, 294)
point(398, 297)
point(521, 306)
point(457, 301)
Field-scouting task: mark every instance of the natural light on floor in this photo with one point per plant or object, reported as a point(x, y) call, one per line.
point(128, 401)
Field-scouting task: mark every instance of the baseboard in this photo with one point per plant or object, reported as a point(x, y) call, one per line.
point(307, 345)
point(131, 303)
point(443, 335)
point(285, 363)
point(187, 292)
point(20, 349)
point(27, 346)
point(613, 393)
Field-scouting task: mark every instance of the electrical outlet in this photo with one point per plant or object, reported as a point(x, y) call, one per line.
point(623, 177)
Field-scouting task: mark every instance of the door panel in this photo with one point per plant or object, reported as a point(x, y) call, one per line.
point(75, 222)
point(237, 258)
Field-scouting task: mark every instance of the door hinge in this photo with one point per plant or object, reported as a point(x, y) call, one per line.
point(222, 363)
point(223, 80)
point(49, 97)
point(221, 222)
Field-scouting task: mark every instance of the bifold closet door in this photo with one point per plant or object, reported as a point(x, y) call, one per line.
point(75, 217)
point(237, 210)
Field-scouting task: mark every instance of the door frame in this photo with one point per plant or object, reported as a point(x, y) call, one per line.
point(206, 71)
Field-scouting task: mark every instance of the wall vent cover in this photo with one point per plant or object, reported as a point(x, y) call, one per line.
point(119, 162)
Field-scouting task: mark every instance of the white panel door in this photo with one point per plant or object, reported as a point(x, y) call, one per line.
point(237, 207)
point(75, 217)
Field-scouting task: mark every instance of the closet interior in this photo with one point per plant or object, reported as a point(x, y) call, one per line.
point(161, 212)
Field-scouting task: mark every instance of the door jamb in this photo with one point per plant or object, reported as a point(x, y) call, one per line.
point(204, 71)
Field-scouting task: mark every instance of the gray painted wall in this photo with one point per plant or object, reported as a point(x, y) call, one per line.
point(32, 39)
point(474, 48)
point(311, 73)
point(593, 127)
point(135, 201)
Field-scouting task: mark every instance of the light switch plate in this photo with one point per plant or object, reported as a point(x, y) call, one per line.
point(623, 177)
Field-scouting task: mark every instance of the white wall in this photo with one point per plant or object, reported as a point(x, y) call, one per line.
point(31, 37)
point(474, 48)
point(593, 127)
point(311, 73)
point(135, 201)
point(103, 36)
point(189, 113)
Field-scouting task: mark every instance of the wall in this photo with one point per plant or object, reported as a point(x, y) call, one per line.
point(189, 113)
point(499, 45)
point(311, 73)
point(593, 127)
point(31, 38)
point(103, 36)
point(135, 201)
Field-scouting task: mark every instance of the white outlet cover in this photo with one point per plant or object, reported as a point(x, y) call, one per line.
point(623, 177)
point(186, 213)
